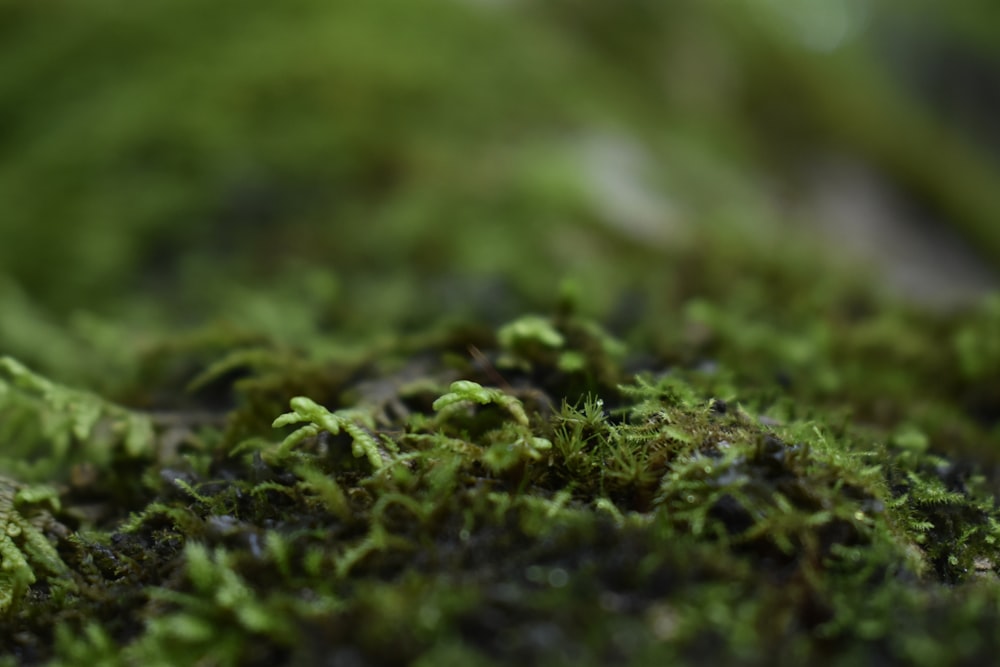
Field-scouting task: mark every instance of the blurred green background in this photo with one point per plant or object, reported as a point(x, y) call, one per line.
point(341, 168)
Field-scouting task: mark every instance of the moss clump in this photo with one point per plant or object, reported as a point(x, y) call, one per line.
point(528, 510)
point(284, 378)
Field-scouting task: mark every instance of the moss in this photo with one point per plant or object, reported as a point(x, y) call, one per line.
point(650, 517)
point(346, 356)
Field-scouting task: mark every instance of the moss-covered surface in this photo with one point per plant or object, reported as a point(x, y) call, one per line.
point(321, 344)
point(526, 495)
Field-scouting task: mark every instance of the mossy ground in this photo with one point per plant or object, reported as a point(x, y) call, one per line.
point(318, 348)
point(582, 511)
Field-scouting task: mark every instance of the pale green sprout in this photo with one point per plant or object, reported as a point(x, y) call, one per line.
point(572, 361)
point(525, 333)
point(463, 392)
point(530, 328)
point(911, 438)
point(318, 419)
point(532, 331)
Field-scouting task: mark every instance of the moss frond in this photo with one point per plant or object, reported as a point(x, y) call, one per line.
point(26, 554)
point(55, 425)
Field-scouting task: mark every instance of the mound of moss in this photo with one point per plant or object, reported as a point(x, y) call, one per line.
point(484, 333)
point(538, 492)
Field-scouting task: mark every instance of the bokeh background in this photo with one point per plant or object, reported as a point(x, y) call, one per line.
point(341, 168)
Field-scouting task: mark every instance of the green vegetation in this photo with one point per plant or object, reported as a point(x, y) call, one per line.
point(677, 513)
point(328, 336)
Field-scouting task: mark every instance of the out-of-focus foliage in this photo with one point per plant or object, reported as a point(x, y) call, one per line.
point(385, 162)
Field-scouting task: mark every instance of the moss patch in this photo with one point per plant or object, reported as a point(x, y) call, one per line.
point(473, 333)
point(502, 505)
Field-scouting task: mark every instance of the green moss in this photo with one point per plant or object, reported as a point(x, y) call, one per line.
point(491, 522)
point(74, 425)
point(25, 552)
point(288, 379)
